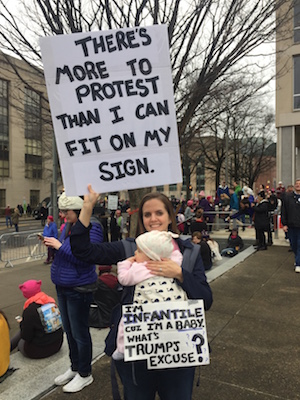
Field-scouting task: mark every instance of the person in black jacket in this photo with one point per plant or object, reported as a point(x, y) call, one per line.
point(234, 244)
point(199, 224)
point(155, 212)
point(205, 251)
point(290, 217)
point(273, 203)
point(261, 220)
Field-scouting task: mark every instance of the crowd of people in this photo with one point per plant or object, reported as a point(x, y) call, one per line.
point(12, 215)
point(150, 268)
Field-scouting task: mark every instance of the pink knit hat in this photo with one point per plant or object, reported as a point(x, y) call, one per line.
point(156, 244)
point(190, 203)
point(202, 193)
point(30, 288)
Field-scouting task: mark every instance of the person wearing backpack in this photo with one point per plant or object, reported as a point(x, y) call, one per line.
point(36, 339)
point(155, 213)
point(153, 245)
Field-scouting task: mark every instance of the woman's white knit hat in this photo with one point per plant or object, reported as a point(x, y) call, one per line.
point(69, 203)
point(156, 244)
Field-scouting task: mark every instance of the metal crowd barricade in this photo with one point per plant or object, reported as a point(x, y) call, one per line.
point(21, 245)
point(220, 223)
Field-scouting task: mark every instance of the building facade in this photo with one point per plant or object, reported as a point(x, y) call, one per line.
point(288, 92)
point(25, 135)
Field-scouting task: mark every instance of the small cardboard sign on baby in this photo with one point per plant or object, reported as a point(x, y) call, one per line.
point(112, 106)
point(166, 334)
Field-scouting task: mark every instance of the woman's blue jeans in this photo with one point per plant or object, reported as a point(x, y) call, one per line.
point(74, 308)
point(139, 383)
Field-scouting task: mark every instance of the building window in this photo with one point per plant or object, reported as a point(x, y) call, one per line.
point(296, 82)
point(33, 135)
point(34, 198)
point(160, 188)
point(200, 174)
point(4, 138)
point(296, 21)
point(2, 198)
point(173, 187)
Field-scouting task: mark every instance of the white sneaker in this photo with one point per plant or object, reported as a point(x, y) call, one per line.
point(65, 378)
point(297, 268)
point(78, 383)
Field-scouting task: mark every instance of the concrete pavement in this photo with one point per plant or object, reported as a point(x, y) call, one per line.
point(252, 327)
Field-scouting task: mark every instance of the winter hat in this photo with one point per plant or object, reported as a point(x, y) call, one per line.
point(69, 203)
point(50, 218)
point(202, 193)
point(209, 198)
point(30, 288)
point(156, 244)
point(190, 203)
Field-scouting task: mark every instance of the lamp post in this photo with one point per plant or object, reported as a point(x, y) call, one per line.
point(53, 208)
point(226, 150)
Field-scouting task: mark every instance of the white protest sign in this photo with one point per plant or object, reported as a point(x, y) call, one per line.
point(112, 203)
point(112, 107)
point(166, 334)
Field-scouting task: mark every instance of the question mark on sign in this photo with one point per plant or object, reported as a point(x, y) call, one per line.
point(199, 341)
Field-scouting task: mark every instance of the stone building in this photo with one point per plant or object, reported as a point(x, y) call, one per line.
point(25, 134)
point(288, 93)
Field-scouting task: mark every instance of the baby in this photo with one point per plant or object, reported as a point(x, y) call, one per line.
point(149, 288)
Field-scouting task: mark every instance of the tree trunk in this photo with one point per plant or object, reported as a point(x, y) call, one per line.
point(135, 197)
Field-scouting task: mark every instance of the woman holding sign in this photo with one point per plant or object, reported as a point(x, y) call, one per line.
point(155, 213)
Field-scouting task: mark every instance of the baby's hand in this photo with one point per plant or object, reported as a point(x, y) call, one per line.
point(131, 259)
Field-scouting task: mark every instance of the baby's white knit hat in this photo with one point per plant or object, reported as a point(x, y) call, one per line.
point(156, 244)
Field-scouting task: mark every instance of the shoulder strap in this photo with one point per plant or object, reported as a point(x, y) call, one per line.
point(96, 220)
point(129, 247)
point(189, 257)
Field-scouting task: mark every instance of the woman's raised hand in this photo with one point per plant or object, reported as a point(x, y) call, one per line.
point(91, 197)
point(89, 201)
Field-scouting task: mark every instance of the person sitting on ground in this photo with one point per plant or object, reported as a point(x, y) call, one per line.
point(50, 230)
point(154, 245)
point(41, 333)
point(197, 238)
point(199, 224)
point(214, 247)
point(234, 244)
point(4, 345)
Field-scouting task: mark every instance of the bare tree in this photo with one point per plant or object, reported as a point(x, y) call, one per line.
point(233, 136)
point(252, 132)
point(209, 39)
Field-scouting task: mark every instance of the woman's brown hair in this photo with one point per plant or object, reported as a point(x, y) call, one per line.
point(168, 206)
